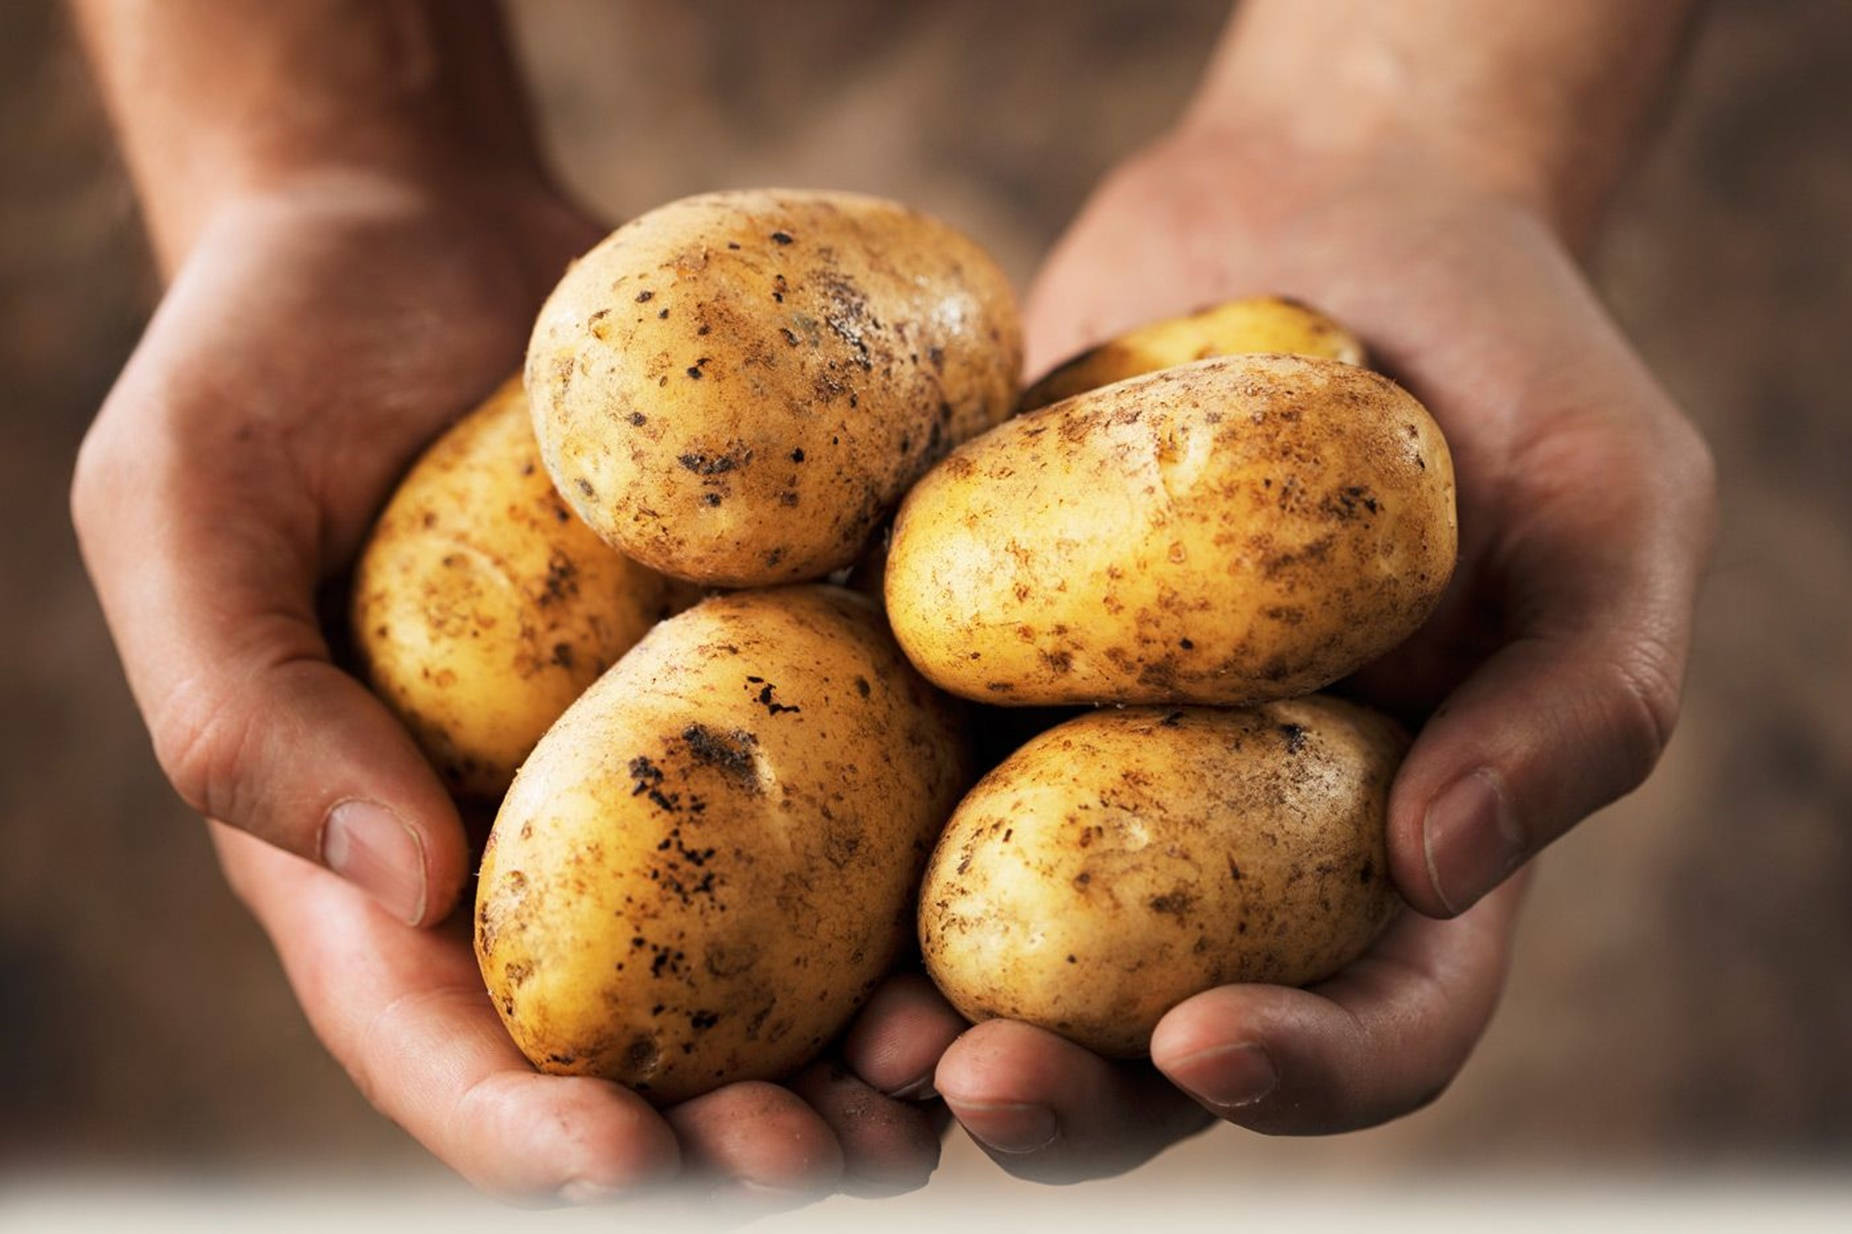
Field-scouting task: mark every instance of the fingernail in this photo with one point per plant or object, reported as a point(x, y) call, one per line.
point(583, 1191)
point(1009, 1127)
point(371, 847)
point(1470, 839)
point(1227, 1077)
point(920, 1089)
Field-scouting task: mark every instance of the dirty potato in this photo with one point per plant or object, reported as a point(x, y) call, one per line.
point(712, 858)
point(1230, 531)
point(482, 607)
point(736, 388)
point(1126, 860)
point(1239, 327)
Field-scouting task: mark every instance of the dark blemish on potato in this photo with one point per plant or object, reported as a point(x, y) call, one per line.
point(561, 582)
point(1175, 903)
point(1172, 720)
point(1234, 871)
point(1058, 661)
point(703, 464)
point(694, 370)
point(1071, 960)
point(773, 706)
point(1284, 613)
point(646, 774)
point(585, 487)
point(643, 1055)
point(638, 419)
point(710, 499)
point(797, 455)
point(1367, 873)
point(1082, 879)
point(787, 498)
point(562, 656)
point(663, 316)
point(861, 686)
point(644, 297)
point(999, 687)
point(781, 237)
point(790, 335)
point(699, 1020)
point(731, 752)
point(1186, 644)
point(1295, 737)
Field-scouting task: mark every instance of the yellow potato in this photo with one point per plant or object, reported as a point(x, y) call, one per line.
point(1229, 531)
point(1125, 860)
point(1257, 324)
point(712, 858)
point(482, 607)
point(736, 388)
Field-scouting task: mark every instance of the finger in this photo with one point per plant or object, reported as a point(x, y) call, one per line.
point(1046, 1109)
point(1381, 1039)
point(208, 587)
point(405, 1012)
point(888, 1146)
point(896, 1040)
point(758, 1134)
point(1575, 711)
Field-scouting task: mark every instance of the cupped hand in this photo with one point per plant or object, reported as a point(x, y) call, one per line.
point(318, 334)
point(1544, 687)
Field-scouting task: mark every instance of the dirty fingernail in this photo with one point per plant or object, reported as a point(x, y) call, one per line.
point(373, 848)
point(1227, 1077)
point(1008, 1127)
point(1470, 840)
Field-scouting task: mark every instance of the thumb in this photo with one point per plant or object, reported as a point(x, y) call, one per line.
point(1574, 710)
point(208, 587)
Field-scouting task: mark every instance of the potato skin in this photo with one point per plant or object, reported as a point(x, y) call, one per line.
point(737, 387)
point(1126, 860)
point(712, 858)
point(482, 607)
point(1239, 327)
point(1230, 531)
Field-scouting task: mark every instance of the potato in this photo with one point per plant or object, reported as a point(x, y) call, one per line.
point(712, 858)
point(482, 607)
point(1257, 324)
point(1126, 860)
point(736, 388)
point(1229, 531)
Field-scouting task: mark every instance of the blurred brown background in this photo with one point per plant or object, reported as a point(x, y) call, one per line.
point(1682, 992)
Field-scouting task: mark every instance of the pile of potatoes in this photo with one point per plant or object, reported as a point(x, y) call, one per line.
point(732, 793)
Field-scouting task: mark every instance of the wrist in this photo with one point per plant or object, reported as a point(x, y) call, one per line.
point(1361, 155)
point(377, 169)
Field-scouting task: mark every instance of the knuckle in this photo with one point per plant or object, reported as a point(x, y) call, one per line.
point(1641, 695)
point(90, 482)
point(202, 743)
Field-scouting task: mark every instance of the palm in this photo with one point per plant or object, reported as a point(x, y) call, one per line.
point(314, 341)
point(1552, 657)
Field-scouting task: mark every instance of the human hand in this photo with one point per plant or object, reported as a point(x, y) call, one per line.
point(1548, 678)
point(317, 335)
